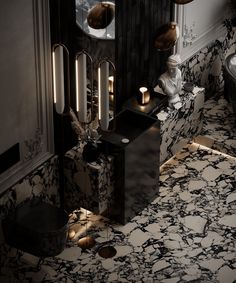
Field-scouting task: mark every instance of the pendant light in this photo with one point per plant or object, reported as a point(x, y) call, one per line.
point(101, 15)
point(166, 36)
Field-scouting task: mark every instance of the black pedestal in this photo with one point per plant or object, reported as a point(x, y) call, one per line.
point(135, 145)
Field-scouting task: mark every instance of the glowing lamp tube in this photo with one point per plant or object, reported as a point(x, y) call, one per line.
point(81, 87)
point(103, 95)
point(58, 79)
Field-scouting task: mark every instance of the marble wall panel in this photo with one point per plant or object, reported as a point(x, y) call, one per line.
point(178, 126)
point(205, 67)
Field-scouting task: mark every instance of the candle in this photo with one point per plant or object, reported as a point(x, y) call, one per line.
point(143, 96)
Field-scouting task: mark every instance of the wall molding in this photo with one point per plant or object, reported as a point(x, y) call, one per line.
point(41, 144)
point(187, 46)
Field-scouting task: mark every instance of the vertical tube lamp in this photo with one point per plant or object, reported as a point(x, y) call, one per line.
point(81, 86)
point(58, 78)
point(103, 95)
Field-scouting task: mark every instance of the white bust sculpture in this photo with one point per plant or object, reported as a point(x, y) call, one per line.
point(171, 82)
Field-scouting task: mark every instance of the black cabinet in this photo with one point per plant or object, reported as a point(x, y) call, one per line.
point(135, 145)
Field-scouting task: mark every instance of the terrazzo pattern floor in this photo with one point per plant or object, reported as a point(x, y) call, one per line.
point(187, 234)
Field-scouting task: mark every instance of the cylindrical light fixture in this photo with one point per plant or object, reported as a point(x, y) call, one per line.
point(58, 78)
point(103, 95)
point(81, 86)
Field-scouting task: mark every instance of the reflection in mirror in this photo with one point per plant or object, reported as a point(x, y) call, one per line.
point(84, 87)
point(96, 18)
point(166, 36)
point(59, 56)
point(106, 94)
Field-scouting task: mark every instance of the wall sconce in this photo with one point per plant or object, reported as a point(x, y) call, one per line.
point(60, 55)
point(83, 75)
point(106, 85)
point(143, 96)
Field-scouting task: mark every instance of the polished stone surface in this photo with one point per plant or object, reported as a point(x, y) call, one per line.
point(187, 234)
point(219, 127)
point(179, 126)
point(87, 184)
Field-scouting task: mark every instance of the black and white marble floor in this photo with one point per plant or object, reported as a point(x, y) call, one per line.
point(187, 234)
point(219, 127)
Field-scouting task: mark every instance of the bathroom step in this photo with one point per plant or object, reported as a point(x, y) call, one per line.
point(219, 127)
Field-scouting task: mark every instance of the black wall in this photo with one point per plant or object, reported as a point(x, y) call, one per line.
point(138, 63)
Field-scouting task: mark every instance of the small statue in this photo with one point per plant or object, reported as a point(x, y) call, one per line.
point(171, 82)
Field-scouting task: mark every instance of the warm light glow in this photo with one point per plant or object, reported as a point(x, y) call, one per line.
point(143, 96)
point(103, 95)
point(77, 84)
point(111, 84)
point(58, 78)
point(54, 77)
point(81, 87)
point(143, 90)
point(99, 93)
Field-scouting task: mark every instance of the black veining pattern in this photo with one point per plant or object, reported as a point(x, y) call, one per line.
point(187, 234)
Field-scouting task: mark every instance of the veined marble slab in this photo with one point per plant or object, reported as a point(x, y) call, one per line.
point(178, 126)
point(88, 185)
point(42, 182)
point(219, 126)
